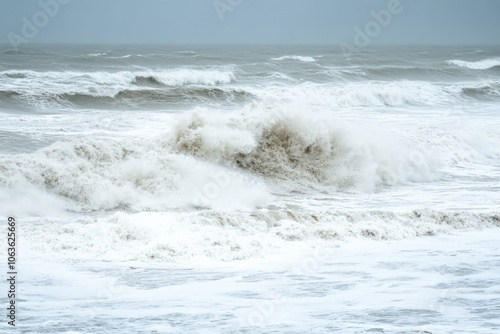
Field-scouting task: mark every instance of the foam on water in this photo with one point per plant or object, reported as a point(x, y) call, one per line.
point(215, 236)
point(426, 285)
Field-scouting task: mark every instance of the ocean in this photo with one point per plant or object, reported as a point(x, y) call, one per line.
point(252, 189)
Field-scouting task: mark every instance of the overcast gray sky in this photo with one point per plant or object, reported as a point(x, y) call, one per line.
point(252, 21)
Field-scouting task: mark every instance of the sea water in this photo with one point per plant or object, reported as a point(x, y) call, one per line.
point(253, 189)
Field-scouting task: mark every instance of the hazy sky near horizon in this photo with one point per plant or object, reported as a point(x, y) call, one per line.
point(252, 21)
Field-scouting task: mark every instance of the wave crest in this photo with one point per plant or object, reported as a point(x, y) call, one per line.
point(484, 64)
point(305, 59)
point(175, 77)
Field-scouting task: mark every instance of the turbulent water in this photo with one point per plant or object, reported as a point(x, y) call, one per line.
point(182, 156)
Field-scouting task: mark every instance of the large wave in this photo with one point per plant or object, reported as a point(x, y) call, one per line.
point(226, 161)
point(302, 148)
point(237, 158)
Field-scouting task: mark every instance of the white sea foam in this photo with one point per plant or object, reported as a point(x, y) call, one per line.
point(212, 235)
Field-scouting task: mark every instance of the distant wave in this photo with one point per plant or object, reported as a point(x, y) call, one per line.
point(477, 65)
point(121, 57)
point(146, 97)
point(360, 94)
point(299, 58)
point(176, 77)
point(150, 89)
point(106, 55)
point(48, 89)
point(187, 53)
point(96, 54)
point(110, 55)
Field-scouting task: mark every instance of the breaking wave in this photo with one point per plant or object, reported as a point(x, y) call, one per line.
point(477, 65)
point(290, 150)
point(243, 155)
point(374, 93)
point(301, 148)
